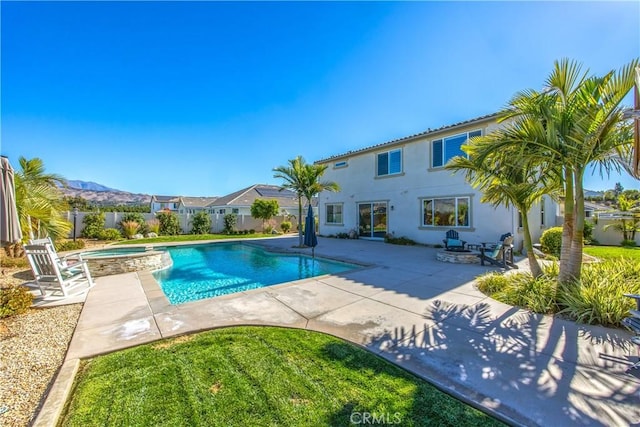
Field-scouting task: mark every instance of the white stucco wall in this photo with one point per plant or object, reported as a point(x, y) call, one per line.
point(404, 192)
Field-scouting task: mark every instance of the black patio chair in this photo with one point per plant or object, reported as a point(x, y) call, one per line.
point(501, 254)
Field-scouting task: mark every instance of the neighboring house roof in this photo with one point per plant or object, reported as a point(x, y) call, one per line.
point(247, 196)
point(165, 199)
point(595, 206)
point(480, 119)
point(197, 202)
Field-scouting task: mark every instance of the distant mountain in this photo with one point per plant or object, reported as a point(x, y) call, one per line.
point(102, 195)
point(88, 185)
point(590, 193)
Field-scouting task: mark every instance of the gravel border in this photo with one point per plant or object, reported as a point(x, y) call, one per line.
point(32, 348)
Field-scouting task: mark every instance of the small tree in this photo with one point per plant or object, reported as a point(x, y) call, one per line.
point(628, 225)
point(169, 224)
point(264, 210)
point(93, 225)
point(201, 223)
point(230, 221)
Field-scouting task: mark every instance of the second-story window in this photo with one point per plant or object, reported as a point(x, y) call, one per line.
point(443, 150)
point(389, 163)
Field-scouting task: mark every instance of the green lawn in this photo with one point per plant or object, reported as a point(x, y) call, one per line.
point(256, 376)
point(193, 237)
point(612, 252)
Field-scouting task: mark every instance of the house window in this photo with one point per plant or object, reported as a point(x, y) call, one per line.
point(449, 211)
point(235, 210)
point(389, 163)
point(221, 211)
point(542, 212)
point(443, 150)
point(519, 219)
point(334, 213)
point(342, 164)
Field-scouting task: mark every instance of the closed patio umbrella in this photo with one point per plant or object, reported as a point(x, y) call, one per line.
point(10, 232)
point(310, 238)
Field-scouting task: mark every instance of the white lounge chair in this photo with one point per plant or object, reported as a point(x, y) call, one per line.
point(58, 274)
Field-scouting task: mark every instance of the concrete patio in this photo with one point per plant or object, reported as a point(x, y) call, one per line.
point(421, 314)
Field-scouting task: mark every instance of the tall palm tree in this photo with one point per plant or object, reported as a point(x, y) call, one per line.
point(304, 180)
point(502, 178)
point(39, 201)
point(583, 125)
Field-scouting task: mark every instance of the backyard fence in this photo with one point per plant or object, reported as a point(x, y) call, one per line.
point(112, 219)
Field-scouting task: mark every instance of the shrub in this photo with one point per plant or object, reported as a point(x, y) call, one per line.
point(69, 245)
point(268, 229)
point(18, 262)
point(201, 223)
point(169, 224)
point(285, 226)
point(551, 241)
point(588, 232)
point(129, 228)
point(93, 225)
point(14, 300)
point(597, 298)
point(110, 234)
point(628, 243)
point(398, 240)
point(252, 231)
point(264, 210)
point(230, 221)
point(137, 217)
point(153, 225)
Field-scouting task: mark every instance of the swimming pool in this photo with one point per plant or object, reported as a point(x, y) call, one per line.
point(205, 271)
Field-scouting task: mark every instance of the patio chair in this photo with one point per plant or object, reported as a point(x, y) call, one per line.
point(57, 274)
point(501, 254)
point(633, 324)
point(452, 241)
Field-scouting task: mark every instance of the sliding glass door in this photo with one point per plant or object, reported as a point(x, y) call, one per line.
point(372, 219)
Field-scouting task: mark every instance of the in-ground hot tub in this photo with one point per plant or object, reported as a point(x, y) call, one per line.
point(458, 257)
point(110, 261)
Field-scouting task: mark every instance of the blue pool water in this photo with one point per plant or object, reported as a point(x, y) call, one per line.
point(206, 271)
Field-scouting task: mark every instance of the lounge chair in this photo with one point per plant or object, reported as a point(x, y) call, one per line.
point(57, 274)
point(501, 254)
point(452, 241)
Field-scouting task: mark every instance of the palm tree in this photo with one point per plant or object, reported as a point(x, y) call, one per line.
point(583, 124)
point(304, 180)
point(630, 225)
point(503, 179)
point(40, 204)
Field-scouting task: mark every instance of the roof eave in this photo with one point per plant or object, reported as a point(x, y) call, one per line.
point(410, 138)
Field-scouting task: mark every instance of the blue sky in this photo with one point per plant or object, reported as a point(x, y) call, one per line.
point(205, 98)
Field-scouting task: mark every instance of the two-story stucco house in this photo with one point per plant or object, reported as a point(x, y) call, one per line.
point(401, 188)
